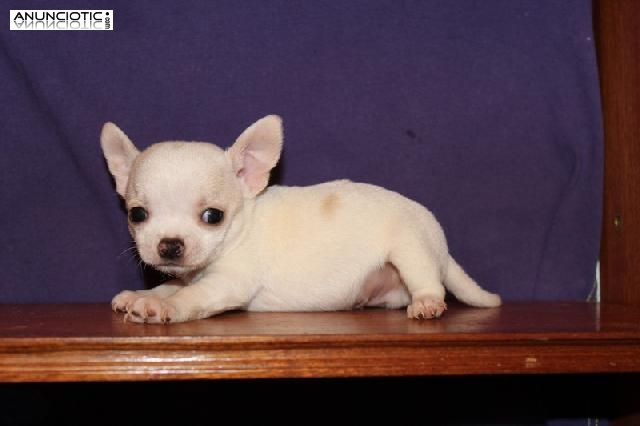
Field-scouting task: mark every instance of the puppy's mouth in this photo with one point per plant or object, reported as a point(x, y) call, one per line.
point(174, 268)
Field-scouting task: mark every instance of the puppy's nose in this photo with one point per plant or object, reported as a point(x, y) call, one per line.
point(171, 248)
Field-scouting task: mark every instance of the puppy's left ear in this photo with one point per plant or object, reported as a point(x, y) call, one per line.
point(256, 152)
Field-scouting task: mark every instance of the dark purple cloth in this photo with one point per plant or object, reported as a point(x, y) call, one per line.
point(487, 112)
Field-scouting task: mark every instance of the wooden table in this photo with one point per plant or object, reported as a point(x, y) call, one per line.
point(88, 342)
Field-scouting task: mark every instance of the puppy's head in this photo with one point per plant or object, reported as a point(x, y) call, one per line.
point(183, 198)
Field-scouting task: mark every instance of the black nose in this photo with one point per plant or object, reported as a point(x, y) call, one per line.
point(171, 248)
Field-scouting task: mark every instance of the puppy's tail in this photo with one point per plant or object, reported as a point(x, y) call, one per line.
point(466, 290)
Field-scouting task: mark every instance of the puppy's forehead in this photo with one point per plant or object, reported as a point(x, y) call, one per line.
point(172, 166)
point(180, 158)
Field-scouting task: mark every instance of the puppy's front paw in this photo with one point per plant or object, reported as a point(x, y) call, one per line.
point(426, 308)
point(151, 310)
point(124, 300)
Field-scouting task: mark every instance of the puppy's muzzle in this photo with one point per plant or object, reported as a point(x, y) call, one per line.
point(171, 248)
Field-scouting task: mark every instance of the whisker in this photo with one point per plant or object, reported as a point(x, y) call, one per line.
point(132, 249)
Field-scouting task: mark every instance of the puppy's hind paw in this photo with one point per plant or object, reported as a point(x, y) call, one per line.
point(426, 308)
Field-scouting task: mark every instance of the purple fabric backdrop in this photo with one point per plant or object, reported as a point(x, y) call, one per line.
point(487, 112)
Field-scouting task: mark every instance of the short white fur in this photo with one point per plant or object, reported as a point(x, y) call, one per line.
point(333, 246)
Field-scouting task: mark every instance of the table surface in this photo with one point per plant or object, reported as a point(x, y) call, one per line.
point(88, 342)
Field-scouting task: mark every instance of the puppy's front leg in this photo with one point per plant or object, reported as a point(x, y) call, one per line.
point(124, 300)
point(209, 296)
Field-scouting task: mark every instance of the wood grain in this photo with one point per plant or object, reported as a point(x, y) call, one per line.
point(617, 29)
point(85, 342)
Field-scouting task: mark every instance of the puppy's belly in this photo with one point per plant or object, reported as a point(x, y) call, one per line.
point(383, 287)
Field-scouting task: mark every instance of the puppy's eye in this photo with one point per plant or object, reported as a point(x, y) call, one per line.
point(138, 214)
point(212, 216)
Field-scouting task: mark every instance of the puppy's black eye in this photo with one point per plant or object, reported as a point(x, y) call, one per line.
point(138, 214)
point(212, 216)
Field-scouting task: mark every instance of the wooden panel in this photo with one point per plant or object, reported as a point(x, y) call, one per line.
point(617, 25)
point(90, 343)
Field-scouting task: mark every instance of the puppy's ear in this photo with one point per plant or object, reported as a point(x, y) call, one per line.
point(119, 152)
point(256, 152)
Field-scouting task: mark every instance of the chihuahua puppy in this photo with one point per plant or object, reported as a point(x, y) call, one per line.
point(202, 215)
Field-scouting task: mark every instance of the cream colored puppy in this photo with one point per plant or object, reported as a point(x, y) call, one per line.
point(202, 215)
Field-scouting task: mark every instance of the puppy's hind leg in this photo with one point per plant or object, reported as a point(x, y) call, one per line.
point(421, 269)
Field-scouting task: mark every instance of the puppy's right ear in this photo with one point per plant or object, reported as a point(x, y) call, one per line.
point(119, 152)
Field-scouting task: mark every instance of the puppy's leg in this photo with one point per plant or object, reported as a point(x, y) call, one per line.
point(207, 297)
point(124, 300)
point(421, 271)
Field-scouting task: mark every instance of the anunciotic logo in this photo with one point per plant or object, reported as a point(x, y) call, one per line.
point(61, 19)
